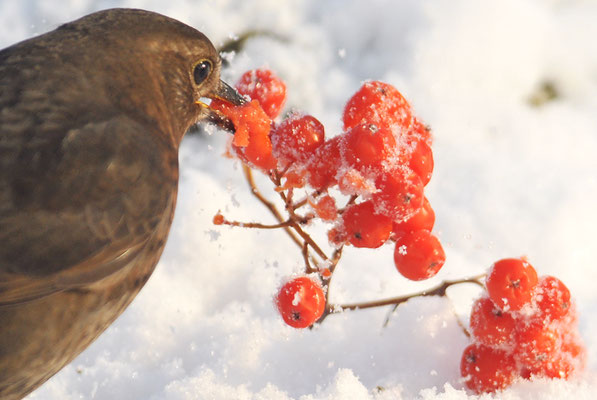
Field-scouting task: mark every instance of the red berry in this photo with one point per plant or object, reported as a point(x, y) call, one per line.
point(364, 227)
point(368, 145)
point(251, 138)
point(420, 132)
point(399, 195)
point(294, 178)
point(301, 302)
point(296, 138)
point(557, 366)
point(352, 182)
point(574, 350)
point(265, 87)
point(487, 369)
point(419, 255)
point(325, 273)
point(337, 236)
point(218, 219)
point(490, 325)
point(422, 219)
point(510, 283)
point(572, 344)
point(322, 167)
point(552, 298)
point(536, 346)
point(377, 103)
point(325, 208)
point(421, 162)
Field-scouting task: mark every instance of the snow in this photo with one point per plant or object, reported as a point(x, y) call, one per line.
point(510, 179)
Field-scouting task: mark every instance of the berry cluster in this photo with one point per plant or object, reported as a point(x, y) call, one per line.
point(381, 162)
point(524, 326)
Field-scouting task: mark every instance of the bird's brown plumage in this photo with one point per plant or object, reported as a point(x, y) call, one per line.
point(91, 117)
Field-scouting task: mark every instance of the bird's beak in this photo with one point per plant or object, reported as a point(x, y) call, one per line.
point(227, 93)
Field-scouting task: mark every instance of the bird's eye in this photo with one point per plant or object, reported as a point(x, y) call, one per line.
point(201, 71)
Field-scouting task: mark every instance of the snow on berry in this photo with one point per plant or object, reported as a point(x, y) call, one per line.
point(490, 325)
point(378, 103)
point(423, 219)
point(265, 87)
point(296, 137)
point(487, 369)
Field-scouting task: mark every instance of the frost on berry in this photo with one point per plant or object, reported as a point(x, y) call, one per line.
point(324, 207)
point(487, 369)
point(552, 298)
point(368, 146)
point(265, 87)
point(379, 103)
point(423, 219)
point(490, 325)
point(295, 138)
point(323, 165)
point(399, 194)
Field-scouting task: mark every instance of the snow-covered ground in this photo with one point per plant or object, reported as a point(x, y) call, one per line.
point(510, 179)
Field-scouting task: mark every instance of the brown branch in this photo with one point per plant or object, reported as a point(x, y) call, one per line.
point(439, 290)
point(270, 206)
point(255, 225)
point(294, 225)
point(291, 227)
point(299, 204)
point(327, 281)
point(308, 240)
point(306, 255)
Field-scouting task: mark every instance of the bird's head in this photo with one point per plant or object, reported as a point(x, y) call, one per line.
point(168, 68)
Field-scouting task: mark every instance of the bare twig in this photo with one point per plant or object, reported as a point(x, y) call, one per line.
point(300, 203)
point(308, 268)
point(270, 206)
point(255, 225)
point(439, 290)
point(293, 229)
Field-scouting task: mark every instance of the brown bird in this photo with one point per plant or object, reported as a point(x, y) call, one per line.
point(91, 119)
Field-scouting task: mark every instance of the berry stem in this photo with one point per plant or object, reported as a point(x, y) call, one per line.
point(270, 206)
point(439, 290)
point(308, 240)
point(332, 267)
point(308, 268)
point(293, 218)
point(255, 225)
point(292, 228)
point(301, 203)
